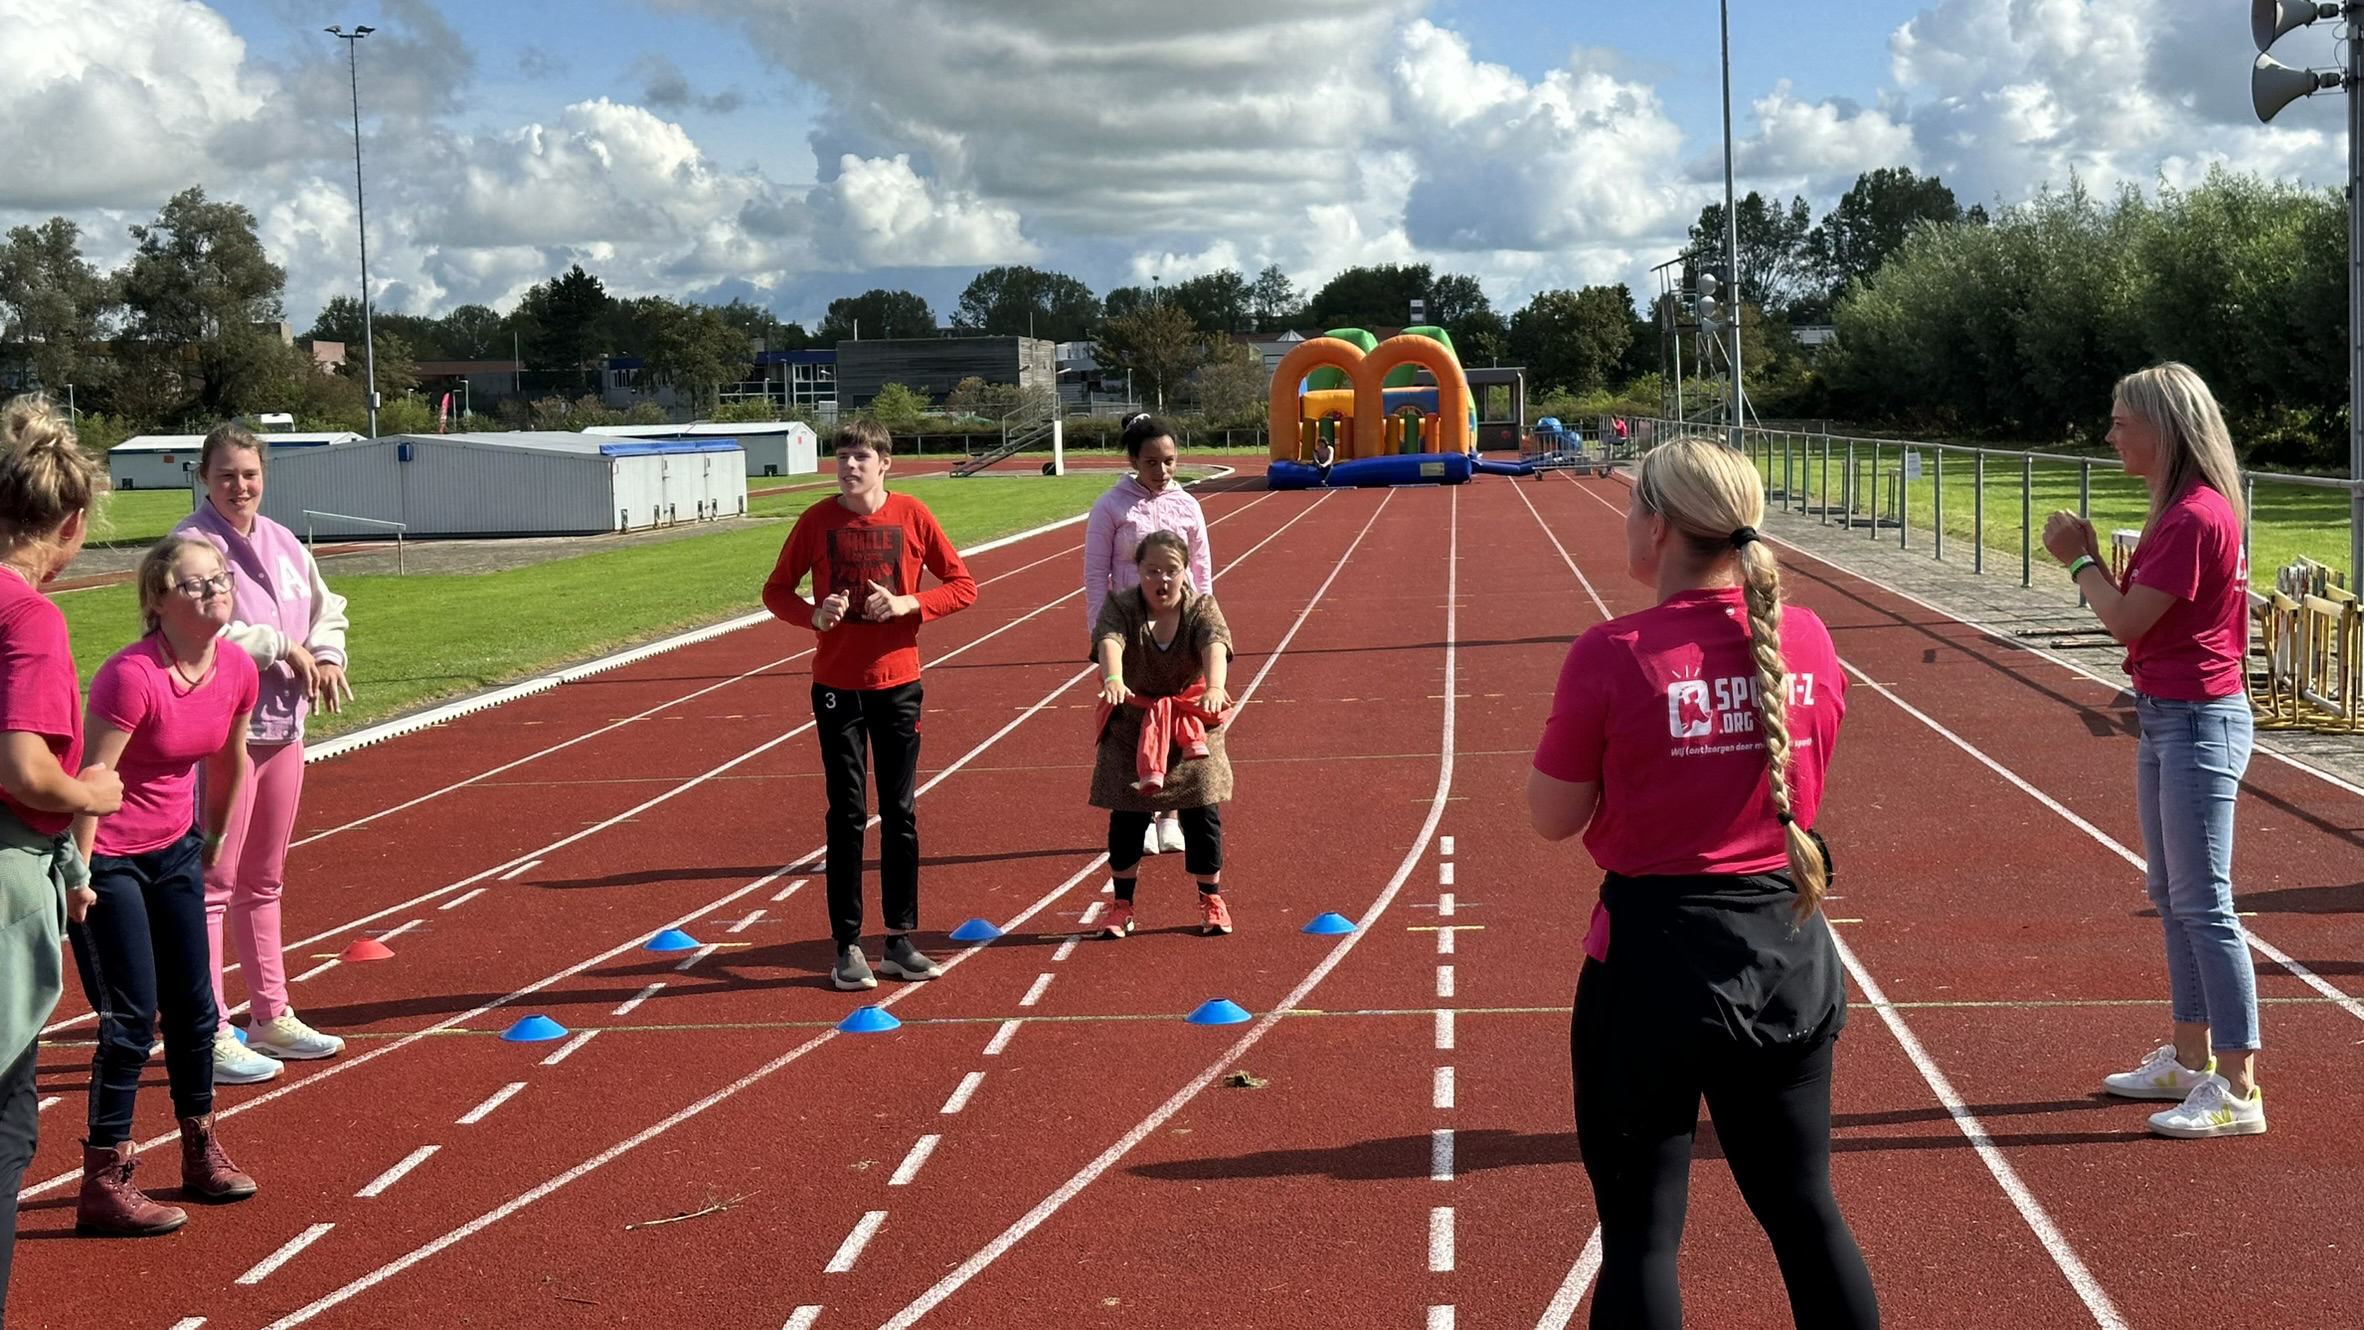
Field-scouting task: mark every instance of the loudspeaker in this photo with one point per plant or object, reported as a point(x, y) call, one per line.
point(2269, 19)
point(2274, 85)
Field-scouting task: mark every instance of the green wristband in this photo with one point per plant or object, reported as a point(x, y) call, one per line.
point(2080, 564)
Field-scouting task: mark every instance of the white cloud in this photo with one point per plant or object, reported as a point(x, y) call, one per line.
point(885, 215)
point(1819, 144)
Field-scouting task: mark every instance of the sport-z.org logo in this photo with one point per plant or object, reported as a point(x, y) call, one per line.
point(1687, 714)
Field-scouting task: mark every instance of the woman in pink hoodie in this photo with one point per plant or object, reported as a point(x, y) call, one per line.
point(293, 627)
point(1145, 501)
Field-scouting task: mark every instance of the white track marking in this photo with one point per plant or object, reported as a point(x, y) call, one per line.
point(1444, 846)
point(1444, 905)
point(520, 870)
point(484, 1110)
point(1066, 948)
point(803, 1317)
point(1034, 993)
point(1444, 1029)
point(1444, 942)
point(188, 1323)
point(392, 933)
point(45, 1105)
point(1444, 981)
point(960, 1093)
point(567, 1049)
point(1001, 1039)
point(1441, 1093)
point(1107, 1159)
point(1440, 1318)
point(753, 918)
point(1580, 1275)
point(789, 890)
point(458, 901)
point(1091, 912)
point(1440, 1155)
point(625, 1007)
point(700, 954)
point(1440, 1240)
point(1554, 538)
point(377, 1185)
point(316, 971)
point(850, 1250)
point(909, 1168)
point(263, 1268)
point(1444, 874)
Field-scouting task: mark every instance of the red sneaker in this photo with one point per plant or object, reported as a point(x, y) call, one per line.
point(1217, 914)
point(1119, 921)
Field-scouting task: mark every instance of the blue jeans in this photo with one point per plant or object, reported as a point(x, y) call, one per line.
point(144, 961)
point(2187, 775)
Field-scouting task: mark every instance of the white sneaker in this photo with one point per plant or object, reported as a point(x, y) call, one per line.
point(2159, 1077)
point(1149, 844)
point(2211, 1110)
point(1169, 834)
point(236, 1064)
point(289, 1039)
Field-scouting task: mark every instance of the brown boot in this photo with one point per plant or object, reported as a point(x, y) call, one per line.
point(111, 1206)
point(206, 1171)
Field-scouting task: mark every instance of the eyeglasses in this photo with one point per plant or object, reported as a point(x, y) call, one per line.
point(198, 588)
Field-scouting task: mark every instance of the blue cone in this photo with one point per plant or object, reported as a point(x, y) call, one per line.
point(533, 1030)
point(975, 930)
point(1217, 1011)
point(672, 939)
point(869, 1020)
point(1330, 922)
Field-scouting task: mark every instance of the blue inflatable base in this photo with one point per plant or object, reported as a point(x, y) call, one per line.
point(1399, 469)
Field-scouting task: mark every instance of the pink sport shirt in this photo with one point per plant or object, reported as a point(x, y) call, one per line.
point(38, 690)
point(173, 727)
point(2193, 553)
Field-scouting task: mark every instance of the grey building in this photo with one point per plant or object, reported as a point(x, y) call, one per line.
point(933, 366)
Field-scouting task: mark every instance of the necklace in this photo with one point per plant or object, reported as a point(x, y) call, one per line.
point(179, 671)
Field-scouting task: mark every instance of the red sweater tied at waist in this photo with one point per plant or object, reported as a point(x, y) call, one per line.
point(1166, 722)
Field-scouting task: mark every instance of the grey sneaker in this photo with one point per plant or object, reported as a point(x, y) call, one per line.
point(853, 969)
point(904, 961)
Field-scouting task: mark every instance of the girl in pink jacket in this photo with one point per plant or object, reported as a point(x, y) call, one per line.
point(293, 628)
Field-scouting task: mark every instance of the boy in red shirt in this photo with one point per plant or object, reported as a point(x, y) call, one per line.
point(864, 549)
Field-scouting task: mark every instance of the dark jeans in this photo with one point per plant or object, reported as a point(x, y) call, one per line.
point(887, 720)
point(144, 962)
point(1637, 1107)
point(19, 1123)
point(1202, 841)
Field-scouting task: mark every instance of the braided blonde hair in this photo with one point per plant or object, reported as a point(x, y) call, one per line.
point(1709, 493)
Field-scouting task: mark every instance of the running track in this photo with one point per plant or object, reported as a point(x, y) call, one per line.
point(1045, 1142)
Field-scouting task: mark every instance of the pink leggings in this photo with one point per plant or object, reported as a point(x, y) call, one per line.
point(242, 887)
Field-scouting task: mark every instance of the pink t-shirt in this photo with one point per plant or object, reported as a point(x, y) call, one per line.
point(39, 691)
point(2193, 553)
point(173, 727)
point(1660, 708)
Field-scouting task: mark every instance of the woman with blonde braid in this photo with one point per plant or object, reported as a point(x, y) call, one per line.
point(1688, 744)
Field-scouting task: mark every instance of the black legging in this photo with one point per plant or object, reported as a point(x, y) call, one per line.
point(1202, 844)
point(1637, 1106)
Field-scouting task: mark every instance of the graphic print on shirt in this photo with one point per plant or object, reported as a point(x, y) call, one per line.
point(292, 583)
point(860, 555)
point(1723, 708)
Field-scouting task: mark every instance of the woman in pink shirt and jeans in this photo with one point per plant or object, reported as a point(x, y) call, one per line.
point(292, 627)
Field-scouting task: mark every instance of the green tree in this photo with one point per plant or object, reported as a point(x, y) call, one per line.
point(1573, 341)
point(1273, 301)
point(564, 320)
point(757, 322)
point(691, 349)
point(1018, 301)
point(1776, 268)
point(1871, 220)
point(877, 314)
point(1371, 297)
point(1233, 387)
point(1157, 343)
point(53, 304)
point(1217, 301)
point(202, 304)
point(473, 332)
point(897, 407)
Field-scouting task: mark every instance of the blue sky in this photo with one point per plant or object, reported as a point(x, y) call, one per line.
point(796, 150)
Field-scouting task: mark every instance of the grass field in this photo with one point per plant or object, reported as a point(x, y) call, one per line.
point(139, 517)
point(2289, 521)
point(423, 637)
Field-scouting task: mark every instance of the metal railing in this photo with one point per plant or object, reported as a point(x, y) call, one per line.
point(312, 516)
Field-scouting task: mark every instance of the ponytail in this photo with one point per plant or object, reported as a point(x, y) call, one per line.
point(45, 477)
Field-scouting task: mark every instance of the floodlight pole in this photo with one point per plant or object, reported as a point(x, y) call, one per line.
point(2355, 91)
point(1735, 413)
point(369, 349)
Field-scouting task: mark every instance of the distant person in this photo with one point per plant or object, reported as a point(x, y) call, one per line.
point(2182, 612)
point(1688, 743)
point(1617, 428)
point(864, 548)
point(1165, 661)
point(172, 700)
point(47, 487)
point(1325, 455)
point(287, 621)
point(1149, 499)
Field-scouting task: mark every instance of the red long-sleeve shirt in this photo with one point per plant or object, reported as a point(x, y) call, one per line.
point(846, 551)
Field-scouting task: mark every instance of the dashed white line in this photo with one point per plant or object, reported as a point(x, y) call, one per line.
point(802, 1318)
point(46, 1104)
point(1444, 846)
point(1444, 905)
point(188, 1323)
point(1444, 942)
point(625, 1007)
point(263, 1268)
point(1440, 1240)
point(399, 929)
point(1444, 1029)
point(753, 918)
point(1067, 948)
point(1440, 1155)
point(1034, 994)
point(909, 1168)
point(1444, 874)
point(316, 971)
point(1440, 1318)
point(484, 1110)
point(521, 870)
point(567, 1049)
point(458, 901)
point(378, 1184)
point(1001, 1038)
point(1442, 1095)
point(1444, 981)
point(783, 894)
point(850, 1250)
point(1091, 912)
point(699, 955)
point(960, 1094)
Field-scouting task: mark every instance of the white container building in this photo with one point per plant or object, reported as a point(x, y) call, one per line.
point(523, 484)
point(773, 447)
point(169, 461)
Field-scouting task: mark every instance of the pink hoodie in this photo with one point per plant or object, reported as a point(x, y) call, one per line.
point(1126, 513)
point(278, 601)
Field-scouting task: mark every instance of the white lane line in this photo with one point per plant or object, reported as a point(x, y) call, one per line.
point(850, 1250)
point(909, 1168)
point(1580, 1275)
point(567, 1049)
point(1444, 905)
point(521, 870)
point(392, 933)
point(1440, 1155)
point(1444, 846)
point(1092, 911)
point(803, 1317)
point(46, 1105)
point(263, 1268)
point(188, 1323)
point(1444, 981)
point(753, 918)
point(700, 954)
point(1067, 948)
point(458, 901)
point(484, 1110)
point(316, 971)
point(784, 893)
point(1034, 994)
point(1009, 1237)
point(1440, 1318)
point(377, 1185)
point(960, 1093)
point(1444, 1029)
point(1554, 538)
point(1444, 874)
point(1444, 942)
point(1001, 1039)
point(1441, 1094)
point(625, 1007)
point(1440, 1240)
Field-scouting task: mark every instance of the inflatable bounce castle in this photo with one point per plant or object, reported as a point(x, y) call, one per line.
point(1365, 399)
